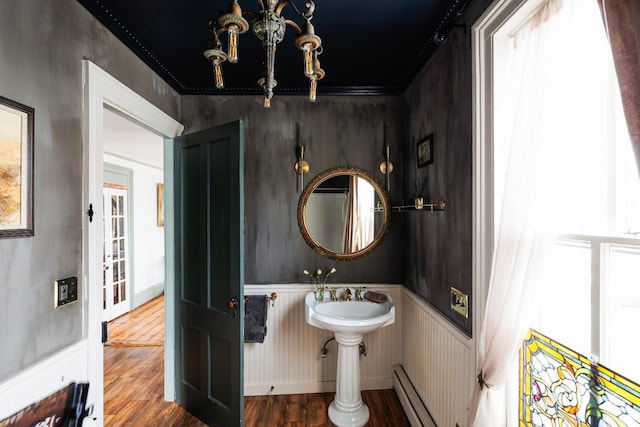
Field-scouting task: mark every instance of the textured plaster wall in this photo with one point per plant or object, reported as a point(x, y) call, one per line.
point(439, 101)
point(339, 131)
point(42, 44)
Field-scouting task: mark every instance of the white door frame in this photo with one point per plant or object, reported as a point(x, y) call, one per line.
point(100, 90)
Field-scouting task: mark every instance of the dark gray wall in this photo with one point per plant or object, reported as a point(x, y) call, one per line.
point(42, 44)
point(339, 131)
point(439, 101)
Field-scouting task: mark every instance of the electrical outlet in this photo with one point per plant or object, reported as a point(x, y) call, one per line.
point(65, 291)
point(460, 302)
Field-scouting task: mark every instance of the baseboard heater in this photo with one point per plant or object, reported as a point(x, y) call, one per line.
point(413, 406)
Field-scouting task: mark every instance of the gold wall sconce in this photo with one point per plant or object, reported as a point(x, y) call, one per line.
point(386, 167)
point(301, 166)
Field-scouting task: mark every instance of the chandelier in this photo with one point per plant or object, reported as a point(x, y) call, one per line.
point(269, 26)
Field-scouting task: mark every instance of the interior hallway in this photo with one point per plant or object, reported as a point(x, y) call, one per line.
point(134, 372)
point(134, 389)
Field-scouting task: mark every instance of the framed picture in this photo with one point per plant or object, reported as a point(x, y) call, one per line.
point(425, 151)
point(160, 217)
point(16, 169)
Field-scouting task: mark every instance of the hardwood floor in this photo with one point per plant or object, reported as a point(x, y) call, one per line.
point(142, 326)
point(134, 390)
point(306, 410)
point(134, 372)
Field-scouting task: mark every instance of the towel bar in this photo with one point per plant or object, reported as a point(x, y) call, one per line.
point(271, 298)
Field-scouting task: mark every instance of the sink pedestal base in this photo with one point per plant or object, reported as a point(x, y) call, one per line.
point(347, 409)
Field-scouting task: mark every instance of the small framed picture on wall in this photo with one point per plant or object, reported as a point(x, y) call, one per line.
point(160, 215)
point(425, 151)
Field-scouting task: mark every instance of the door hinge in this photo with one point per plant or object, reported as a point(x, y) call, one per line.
point(105, 334)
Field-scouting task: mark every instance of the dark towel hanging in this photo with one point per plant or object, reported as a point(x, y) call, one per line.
point(255, 318)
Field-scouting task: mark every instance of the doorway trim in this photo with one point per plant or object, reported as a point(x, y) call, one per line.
point(100, 89)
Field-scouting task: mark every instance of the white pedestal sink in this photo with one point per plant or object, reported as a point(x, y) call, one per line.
point(349, 320)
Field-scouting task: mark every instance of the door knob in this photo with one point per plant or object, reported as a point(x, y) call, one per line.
point(232, 303)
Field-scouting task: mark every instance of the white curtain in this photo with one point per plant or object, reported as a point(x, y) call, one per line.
point(524, 236)
point(555, 128)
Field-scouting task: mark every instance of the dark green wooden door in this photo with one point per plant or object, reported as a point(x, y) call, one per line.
point(209, 236)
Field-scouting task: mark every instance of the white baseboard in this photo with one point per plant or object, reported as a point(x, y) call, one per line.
point(43, 379)
point(147, 294)
point(312, 387)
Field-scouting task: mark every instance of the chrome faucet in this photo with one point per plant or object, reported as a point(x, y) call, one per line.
point(347, 294)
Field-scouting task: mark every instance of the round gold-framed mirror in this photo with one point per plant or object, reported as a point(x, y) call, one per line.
point(343, 213)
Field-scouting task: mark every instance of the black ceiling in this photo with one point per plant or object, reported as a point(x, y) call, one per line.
point(369, 47)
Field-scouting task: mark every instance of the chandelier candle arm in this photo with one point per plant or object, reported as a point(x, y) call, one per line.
point(233, 43)
point(217, 74)
point(318, 74)
point(307, 56)
point(234, 24)
point(216, 56)
point(308, 43)
point(313, 88)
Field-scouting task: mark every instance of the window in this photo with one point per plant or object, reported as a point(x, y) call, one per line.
point(569, 87)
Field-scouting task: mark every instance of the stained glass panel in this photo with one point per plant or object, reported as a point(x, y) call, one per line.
point(559, 387)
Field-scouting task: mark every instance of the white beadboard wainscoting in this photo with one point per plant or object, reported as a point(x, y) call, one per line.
point(438, 360)
point(289, 362)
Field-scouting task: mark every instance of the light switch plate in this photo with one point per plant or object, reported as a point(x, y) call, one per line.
point(460, 302)
point(65, 291)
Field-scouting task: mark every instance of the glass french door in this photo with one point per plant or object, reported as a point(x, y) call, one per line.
point(115, 261)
